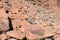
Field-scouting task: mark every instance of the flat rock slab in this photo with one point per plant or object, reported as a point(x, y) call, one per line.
point(16, 34)
point(37, 31)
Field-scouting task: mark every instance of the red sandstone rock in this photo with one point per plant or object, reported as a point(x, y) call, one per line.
point(49, 14)
point(4, 24)
point(57, 36)
point(37, 31)
point(3, 37)
point(15, 34)
point(57, 29)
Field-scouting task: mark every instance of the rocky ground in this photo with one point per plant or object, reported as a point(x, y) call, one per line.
point(29, 19)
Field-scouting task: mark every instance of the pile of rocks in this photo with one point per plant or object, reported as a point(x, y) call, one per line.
point(29, 20)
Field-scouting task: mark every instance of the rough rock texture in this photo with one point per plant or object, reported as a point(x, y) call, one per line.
point(37, 31)
point(16, 34)
point(4, 24)
point(29, 19)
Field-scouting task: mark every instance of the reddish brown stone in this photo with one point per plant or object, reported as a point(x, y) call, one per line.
point(37, 31)
point(16, 34)
point(3, 37)
point(4, 24)
point(35, 18)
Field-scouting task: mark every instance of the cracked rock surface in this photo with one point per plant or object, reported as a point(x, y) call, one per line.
point(29, 19)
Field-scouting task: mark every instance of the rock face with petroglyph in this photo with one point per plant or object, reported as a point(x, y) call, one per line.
point(29, 19)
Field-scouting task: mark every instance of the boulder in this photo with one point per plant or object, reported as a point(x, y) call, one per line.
point(16, 34)
point(37, 31)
